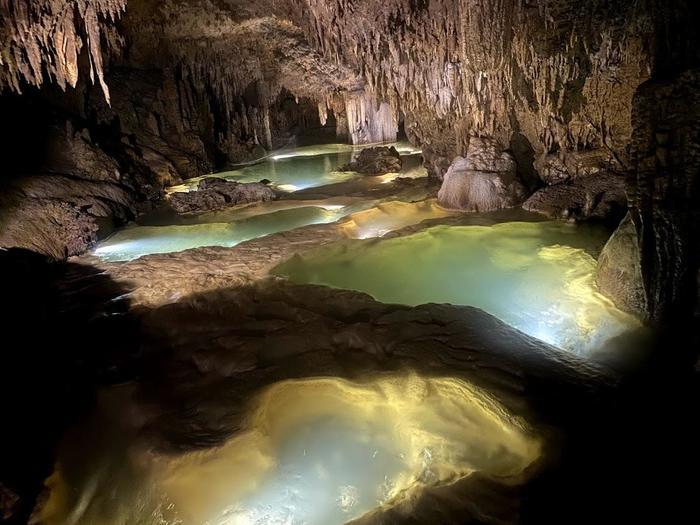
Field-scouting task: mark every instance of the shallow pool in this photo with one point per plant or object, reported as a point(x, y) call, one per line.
point(136, 241)
point(301, 168)
point(316, 451)
point(163, 231)
point(536, 276)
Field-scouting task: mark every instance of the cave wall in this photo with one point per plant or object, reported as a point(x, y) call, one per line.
point(171, 89)
point(560, 73)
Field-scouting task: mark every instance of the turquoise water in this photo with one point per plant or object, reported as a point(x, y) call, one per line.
point(292, 170)
point(299, 168)
point(537, 277)
point(136, 241)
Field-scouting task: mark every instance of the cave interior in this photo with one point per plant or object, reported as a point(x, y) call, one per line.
point(316, 262)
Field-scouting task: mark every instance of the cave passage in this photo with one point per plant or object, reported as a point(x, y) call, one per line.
point(293, 169)
point(326, 262)
point(289, 170)
point(537, 277)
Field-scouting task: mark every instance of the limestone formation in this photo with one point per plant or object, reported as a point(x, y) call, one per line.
point(483, 181)
point(215, 194)
point(42, 41)
point(601, 196)
point(620, 272)
point(61, 212)
point(375, 161)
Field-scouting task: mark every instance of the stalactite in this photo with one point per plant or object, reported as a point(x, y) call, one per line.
point(477, 67)
point(42, 41)
point(368, 121)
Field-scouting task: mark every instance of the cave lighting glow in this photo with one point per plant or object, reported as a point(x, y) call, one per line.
point(301, 168)
point(390, 216)
point(530, 275)
point(136, 241)
point(370, 219)
point(318, 451)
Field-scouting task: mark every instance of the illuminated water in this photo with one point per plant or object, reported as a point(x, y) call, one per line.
point(320, 451)
point(299, 168)
point(292, 170)
point(537, 277)
point(136, 241)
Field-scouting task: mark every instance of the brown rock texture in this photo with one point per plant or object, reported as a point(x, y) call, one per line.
point(216, 194)
point(601, 196)
point(665, 197)
point(42, 41)
point(60, 213)
point(619, 270)
point(483, 181)
point(375, 161)
point(455, 69)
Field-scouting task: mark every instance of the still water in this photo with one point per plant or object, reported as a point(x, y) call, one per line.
point(316, 451)
point(538, 277)
point(293, 170)
point(300, 168)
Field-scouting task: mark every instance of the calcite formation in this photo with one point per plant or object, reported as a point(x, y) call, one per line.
point(455, 68)
point(620, 270)
point(214, 194)
point(484, 180)
point(42, 41)
point(375, 161)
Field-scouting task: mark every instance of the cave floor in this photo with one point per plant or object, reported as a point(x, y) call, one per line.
point(214, 328)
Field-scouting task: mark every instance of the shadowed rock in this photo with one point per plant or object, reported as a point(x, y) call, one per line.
point(600, 196)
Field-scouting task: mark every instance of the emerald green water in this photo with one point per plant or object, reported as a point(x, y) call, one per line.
point(299, 168)
point(536, 276)
point(136, 241)
point(291, 170)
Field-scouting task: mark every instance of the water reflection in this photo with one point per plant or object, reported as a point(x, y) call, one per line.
point(136, 241)
point(319, 451)
point(537, 277)
point(304, 167)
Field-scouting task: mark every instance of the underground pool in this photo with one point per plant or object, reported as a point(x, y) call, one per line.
point(536, 276)
point(315, 451)
point(300, 168)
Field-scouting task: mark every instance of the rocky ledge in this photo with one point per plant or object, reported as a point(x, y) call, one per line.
point(376, 161)
point(601, 196)
point(214, 194)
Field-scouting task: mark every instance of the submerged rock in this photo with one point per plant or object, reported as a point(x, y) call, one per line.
point(214, 193)
point(599, 196)
point(376, 161)
point(485, 180)
point(620, 272)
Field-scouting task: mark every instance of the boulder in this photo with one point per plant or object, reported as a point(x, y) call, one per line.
point(600, 196)
point(619, 274)
point(484, 180)
point(565, 167)
point(214, 193)
point(375, 161)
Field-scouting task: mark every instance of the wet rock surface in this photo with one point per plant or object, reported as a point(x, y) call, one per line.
point(558, 168)
point(620, 271)
point(602, 196)
point(59, 210)
point(376, 161)
point(485, 180)
point(216, 194)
